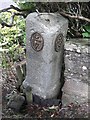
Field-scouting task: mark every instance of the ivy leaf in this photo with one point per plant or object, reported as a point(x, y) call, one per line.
point(87, 28)
point(86, 34)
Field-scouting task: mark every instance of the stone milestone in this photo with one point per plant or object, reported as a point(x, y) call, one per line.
point(45, 36)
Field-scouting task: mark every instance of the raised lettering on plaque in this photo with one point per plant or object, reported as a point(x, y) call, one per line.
point(37, 41)
point(58, 42)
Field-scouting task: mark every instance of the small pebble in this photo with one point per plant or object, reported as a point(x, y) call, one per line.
point(78, 51)
point(84, 68)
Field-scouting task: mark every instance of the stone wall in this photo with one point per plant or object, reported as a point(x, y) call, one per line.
point(76, 71)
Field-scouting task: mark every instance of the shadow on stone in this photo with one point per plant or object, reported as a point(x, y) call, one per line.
point(46, 102)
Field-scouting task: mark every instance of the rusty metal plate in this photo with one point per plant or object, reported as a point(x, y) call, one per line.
point(58, 42)
point(37, 41)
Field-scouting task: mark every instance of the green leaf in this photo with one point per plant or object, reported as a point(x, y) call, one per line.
point(87, 28)
point(86, 34)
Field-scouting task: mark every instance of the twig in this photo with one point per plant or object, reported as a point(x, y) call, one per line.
point(5, 24)
point(75, 17)
point(20, 14)
point(12, 7)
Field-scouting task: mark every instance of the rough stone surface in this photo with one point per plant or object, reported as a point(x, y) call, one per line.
point(16, 101)
point(44, 67)
point(76, 72)
point(46, 102)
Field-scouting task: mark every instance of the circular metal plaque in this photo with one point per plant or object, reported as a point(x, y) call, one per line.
point(37, 41)
point(58, 42)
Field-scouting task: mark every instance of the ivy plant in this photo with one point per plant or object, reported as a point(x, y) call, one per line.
point(12, 39)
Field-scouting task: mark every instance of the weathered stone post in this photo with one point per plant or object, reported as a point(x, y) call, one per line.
point(45, 34)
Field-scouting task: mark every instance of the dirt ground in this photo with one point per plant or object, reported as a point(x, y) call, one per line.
point(73, 110)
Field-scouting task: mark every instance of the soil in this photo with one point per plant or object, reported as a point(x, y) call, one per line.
point(31, 111)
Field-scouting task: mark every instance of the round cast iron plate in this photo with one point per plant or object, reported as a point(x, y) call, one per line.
point(37, 41)
point(58, 42)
